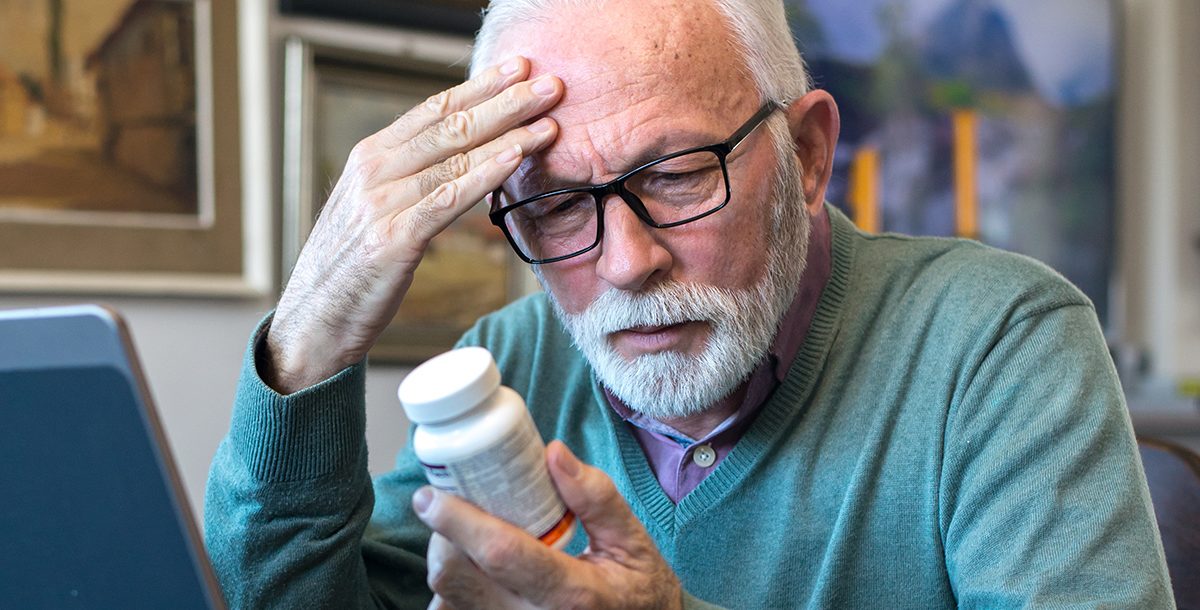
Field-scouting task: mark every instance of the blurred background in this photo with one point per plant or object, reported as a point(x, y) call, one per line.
point(168, 157)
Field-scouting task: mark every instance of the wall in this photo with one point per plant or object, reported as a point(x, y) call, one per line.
point(1159, 226)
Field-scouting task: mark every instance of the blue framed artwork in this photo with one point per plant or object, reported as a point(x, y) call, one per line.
point(988, 119)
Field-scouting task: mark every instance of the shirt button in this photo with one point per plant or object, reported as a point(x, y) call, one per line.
point(704, 456)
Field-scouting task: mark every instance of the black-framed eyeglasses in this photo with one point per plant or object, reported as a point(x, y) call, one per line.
point(667, 192)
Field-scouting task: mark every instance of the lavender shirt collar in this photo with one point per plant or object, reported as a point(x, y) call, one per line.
point(670, 452)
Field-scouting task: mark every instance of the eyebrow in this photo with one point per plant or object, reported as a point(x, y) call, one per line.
point(656, 148)
point(666, 144)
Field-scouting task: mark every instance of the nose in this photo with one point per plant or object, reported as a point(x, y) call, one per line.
point(630, 253)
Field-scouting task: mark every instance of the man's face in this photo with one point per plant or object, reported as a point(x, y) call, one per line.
point(644, 79)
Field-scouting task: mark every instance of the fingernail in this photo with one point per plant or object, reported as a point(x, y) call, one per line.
point(509, 154)
point(511, 67)
point(542, 125)
point(422, 499)
point(544, 86)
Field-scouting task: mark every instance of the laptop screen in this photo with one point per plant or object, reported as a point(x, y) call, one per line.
point(92, 516)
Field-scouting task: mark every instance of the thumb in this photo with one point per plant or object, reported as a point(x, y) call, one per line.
point(590, 494)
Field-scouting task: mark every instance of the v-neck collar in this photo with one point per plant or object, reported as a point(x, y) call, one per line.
point(787, 403)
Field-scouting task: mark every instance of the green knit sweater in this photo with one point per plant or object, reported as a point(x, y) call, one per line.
point(951, 433)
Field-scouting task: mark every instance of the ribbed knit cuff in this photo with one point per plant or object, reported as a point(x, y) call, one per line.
point(313, 433)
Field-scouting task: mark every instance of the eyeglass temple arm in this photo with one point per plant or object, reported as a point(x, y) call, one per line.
point(756, 120)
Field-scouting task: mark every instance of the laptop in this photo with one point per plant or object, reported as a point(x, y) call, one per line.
point(92, 510)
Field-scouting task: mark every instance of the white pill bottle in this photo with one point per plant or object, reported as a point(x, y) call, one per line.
point(476, 439)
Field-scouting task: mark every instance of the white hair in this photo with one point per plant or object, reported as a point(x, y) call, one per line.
point(759, 28)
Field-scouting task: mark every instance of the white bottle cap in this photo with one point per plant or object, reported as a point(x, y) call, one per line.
point(449, 385)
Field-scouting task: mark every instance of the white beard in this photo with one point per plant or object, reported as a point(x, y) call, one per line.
point(743, 322)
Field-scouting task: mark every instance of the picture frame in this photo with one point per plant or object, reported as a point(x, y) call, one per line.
point(124, 154)
point(343, 84)
point(451, 16)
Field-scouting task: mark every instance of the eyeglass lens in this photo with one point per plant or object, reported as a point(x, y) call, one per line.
point(672, 190)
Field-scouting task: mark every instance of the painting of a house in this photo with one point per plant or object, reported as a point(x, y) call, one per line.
point(14, 104)
point(146, 94)
point(97, 107)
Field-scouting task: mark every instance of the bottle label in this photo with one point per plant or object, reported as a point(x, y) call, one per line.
point(440, 477)
point(509, 480)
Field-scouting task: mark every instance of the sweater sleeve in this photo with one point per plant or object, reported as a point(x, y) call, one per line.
point(289, 503)
point(691, 602)
point(1043, 501)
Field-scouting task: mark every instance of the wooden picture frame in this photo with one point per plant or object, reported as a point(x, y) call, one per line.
point(340, 89)
point(144, 193)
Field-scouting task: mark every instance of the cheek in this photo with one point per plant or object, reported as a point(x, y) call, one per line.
point(751, 224)
point(573, 282)
point(727, 249)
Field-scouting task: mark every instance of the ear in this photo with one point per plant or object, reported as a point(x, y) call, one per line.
point(814, 124)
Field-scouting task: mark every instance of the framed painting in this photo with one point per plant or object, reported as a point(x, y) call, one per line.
point(120, 150)
point(334, 97)
point(988, 119)
point(451, 16)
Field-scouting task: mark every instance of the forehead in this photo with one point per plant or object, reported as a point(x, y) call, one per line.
point(636, 73)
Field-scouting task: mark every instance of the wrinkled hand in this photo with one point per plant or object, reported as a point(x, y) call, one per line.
point(400, 188)
point(479, 561)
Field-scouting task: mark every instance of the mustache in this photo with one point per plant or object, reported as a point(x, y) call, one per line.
point(664, 304)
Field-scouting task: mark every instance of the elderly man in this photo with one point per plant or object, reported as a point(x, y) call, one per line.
point(770, 408)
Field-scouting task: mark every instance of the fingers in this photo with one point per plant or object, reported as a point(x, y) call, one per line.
point(419, 224)
point(466, 129)
point(504, 553)
point(530, 139)
point(612, 528)
point(458, 583)
point(460, 97)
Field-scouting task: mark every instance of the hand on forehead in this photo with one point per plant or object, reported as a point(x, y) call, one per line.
point(635, 73)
